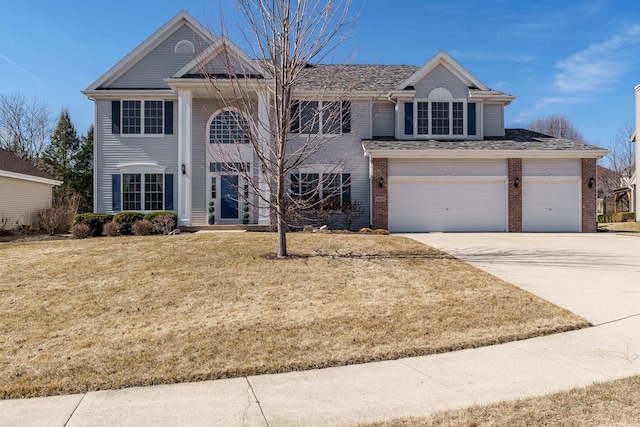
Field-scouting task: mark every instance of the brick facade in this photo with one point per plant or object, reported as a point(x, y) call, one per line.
point(514, 196)
point(380, 195)
point(589, 218)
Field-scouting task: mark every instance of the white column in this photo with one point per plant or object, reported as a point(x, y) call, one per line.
point(184, 157)
point(264, 217)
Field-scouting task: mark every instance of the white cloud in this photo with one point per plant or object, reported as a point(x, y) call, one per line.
point(599, 66)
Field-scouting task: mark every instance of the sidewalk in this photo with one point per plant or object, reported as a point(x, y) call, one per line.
point(384, 390)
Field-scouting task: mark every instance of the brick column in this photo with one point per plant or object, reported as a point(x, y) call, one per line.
point(514, 194)
point(379, 195)
point(589, 218)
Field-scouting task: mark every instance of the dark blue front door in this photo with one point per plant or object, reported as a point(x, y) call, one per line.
point(229, 196)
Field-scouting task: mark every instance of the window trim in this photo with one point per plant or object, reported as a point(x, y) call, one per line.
point(429, 118)
point(322, 171)
point(218, 113)
point(143, 169)
point(344, 114)
point(143, 102)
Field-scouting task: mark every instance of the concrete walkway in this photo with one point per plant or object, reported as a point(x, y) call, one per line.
point(596, 276)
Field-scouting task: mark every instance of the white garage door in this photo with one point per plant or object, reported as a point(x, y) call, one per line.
point(551, 205)
point(454, 204)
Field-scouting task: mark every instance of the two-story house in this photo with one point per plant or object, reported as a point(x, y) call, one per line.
point(426, 148)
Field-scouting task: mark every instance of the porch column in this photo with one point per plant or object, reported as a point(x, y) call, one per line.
point(264, 211)
point(184, 157)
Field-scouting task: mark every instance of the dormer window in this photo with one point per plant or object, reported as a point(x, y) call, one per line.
point(440, 115)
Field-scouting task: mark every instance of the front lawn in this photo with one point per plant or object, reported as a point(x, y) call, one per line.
point(612, 403)
point(105, 313)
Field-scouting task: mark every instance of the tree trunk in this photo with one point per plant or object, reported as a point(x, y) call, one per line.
point(281, 219)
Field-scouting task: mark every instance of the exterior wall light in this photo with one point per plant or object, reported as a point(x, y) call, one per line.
point(516, 182)
point(184, 169)
point(380, 182)
point(591, 182)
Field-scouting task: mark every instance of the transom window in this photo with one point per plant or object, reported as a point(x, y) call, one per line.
point(329, 190)
point(134, 193)
point(321, 117)
point(228, 127)
point(143, 117)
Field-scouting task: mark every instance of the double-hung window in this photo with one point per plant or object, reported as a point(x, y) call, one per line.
point(440, 118)
point(142, 191)
point(320, 117)
point(319, 189)
point(142, 117)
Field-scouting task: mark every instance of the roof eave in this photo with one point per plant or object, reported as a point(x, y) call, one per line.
point(25, 177)
point(485, 154)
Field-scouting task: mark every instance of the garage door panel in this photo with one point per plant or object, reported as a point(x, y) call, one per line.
point(447, 205)
point(551, 205)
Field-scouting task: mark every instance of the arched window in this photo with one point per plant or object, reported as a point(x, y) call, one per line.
point(184, 46)
point(228, 127)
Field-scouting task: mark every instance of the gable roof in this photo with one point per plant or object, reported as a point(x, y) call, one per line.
point(125, 64)
point(13, 166)
point(217, 47)
point(443, 58)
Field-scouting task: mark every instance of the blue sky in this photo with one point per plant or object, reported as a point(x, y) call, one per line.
point(580, 58)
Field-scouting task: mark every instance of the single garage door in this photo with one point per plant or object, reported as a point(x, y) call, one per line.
point(551, 198)
point(551, 205)
point(447, 204)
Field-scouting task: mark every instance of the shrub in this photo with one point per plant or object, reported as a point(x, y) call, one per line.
point(126, 220)
point(142, 227)
point(80, 231)
point(366, 230)
point(163, 224)
point(59, 218)
point(150, 216)
point(617, 217)
point(95, 221)
point(350, 213)
point(111, 228)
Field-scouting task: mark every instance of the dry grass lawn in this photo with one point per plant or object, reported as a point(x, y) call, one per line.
point(106, 313)
point(630, 228)
point(614, 403)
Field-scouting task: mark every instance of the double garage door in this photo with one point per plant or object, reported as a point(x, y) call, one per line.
point(471, 196)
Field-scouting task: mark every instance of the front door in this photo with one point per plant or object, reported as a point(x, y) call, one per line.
point(229, 197)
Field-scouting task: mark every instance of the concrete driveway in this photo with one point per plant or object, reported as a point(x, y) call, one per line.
point(594, 275)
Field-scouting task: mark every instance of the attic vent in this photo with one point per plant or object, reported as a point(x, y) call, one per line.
point(185, 46)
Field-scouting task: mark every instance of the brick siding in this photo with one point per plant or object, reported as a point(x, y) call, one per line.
point(589, 218)
point(514, 196)
point(380, 196)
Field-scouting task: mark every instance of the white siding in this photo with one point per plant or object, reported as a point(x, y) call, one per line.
point(384, 117)
point(161, 63)
point(559, 167)
point(440, 76)
point(493, 120)
point(113, 150)
point(466, 168)
point(21, 200)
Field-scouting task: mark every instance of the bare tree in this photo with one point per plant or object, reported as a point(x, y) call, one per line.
point(282, 128)
point(25, 126)
point(556, 125)
point(622, 158)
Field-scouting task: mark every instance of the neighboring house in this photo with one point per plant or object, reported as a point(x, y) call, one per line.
point(633, 182)
point(24, 190)
point(427, 146)
point(607, 182)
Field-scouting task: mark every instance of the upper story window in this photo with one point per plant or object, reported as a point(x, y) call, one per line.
point(137, 117)
point(228, 127)
point(439, 116)
point(321, 117)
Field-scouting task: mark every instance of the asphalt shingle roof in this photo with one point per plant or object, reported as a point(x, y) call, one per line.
point(11, 163)
point(354, 77)
point(514, 139)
